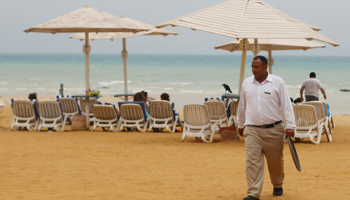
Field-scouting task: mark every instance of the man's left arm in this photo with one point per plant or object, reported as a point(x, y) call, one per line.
point(324, 93)
point(287, 108)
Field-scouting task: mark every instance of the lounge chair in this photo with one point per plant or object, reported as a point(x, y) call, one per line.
point(329, 117)
point(69, 108)
point(162, 115)
point(307, 125)
point(83, 108)
point(233, 114)
point(51, 115)
point(105, 116)
point(133, 115)
point(217, 114)
point(197, 123)
point(321, 118)
point(24, 114)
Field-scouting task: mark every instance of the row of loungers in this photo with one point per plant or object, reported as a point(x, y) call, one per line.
point(55, 114)
point(200, 121)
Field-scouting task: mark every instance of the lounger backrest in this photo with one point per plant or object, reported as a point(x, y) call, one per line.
point(325, 107)
point(104, 112)
point(196, 115)
point(233, 108)
point(216, 109)
point(91, 102)
point(318, 107)
point(305, 115)
point(141, 103)
point(160, 109)
point(50, 109)
point(23, 108)
point(131, 111)
point(69, 105)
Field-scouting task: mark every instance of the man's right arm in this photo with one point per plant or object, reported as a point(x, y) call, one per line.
point(301, 93)
point(241, 112)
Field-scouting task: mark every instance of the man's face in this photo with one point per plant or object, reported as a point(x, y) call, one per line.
point(259, 69)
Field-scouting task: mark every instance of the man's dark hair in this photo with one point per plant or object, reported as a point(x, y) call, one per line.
point(165, 96)
point(312, 75)
point(262, 59)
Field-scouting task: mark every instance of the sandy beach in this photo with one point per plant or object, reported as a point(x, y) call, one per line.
point(132, 165)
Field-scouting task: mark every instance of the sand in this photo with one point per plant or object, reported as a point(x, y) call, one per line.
point(84, 165)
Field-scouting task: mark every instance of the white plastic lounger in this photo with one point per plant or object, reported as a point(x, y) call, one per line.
point(233, 114)
point(307, 125)
point(51, 115)
point(24, 114)
point(105, 117)
point(162, 115)
point(217, 114)
point(91, 103)
point(132, 115)
point(321, 118)
point(69, 108)
point(197, 122)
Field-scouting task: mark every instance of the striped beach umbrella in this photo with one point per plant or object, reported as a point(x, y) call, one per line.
point(248, 19)
point(86, 20)
point(123, 35)
point(270, 45)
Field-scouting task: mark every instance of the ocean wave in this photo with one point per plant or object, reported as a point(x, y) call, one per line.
point(112, 83)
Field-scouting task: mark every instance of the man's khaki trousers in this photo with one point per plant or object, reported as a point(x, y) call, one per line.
point(260, 142)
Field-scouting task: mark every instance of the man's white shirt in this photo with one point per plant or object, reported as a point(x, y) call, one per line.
point(261, 103)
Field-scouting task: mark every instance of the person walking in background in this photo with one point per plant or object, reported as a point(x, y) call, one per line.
point(311, 86)
point(259, 120)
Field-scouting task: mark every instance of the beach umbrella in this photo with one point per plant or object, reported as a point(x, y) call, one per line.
point(123, 35)
point(270, 45)
point(248, 19)
point(87, 20)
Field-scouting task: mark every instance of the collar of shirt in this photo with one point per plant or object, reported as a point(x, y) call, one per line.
point(268, 79)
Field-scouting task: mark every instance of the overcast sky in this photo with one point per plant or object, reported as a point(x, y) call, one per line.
point(332, 17)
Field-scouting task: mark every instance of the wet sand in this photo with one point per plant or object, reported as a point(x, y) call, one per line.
point(77, 165)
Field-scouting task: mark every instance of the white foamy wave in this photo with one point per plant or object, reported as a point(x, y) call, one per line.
point(293, 86)
point(33, 79)
point(21, 89)
point(193, 91)
point(112, 83)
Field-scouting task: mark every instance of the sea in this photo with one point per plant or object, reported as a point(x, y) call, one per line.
point(186, 78)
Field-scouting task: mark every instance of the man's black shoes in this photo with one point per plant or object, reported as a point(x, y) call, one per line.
point(250, 197)
point(277, 191)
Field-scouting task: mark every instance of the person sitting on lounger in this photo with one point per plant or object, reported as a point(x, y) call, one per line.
point(140, 97)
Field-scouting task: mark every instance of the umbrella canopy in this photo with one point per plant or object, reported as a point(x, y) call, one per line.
point(122, 35)
point(272, 45)
point(87, 20)
point(248, 19)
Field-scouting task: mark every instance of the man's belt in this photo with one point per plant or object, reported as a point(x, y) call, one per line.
point(267, 125)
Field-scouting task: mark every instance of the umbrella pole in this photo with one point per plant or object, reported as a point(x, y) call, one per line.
point(244, 44)
point(244, 55)
point(270, 59)
point(125, 56)
point(86, 50)
point(256, 48)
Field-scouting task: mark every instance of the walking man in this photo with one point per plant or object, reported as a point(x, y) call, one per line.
point(311, 86)
point(259, 120)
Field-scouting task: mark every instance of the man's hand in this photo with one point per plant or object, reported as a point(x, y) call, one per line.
point(325, 97)
point(289, 132)
point(301, 99)
point(240, 131)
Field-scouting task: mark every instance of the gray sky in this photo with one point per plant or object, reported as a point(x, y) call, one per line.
point(17, 15)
